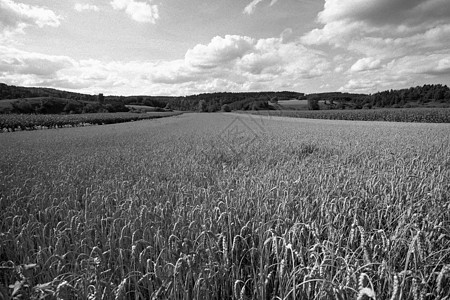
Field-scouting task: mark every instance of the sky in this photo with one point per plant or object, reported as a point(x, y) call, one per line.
point(180, 47)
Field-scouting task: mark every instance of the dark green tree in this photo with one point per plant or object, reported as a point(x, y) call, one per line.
point(313, 104)
point(202, 106)
point(101, 98)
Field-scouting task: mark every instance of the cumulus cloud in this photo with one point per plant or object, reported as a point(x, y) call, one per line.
point(142, 12)
point(347, 22)
point(82, 7)
point(219, 51)
point(250, 8)
point(15, 61)
point(365, 64)
point(244, 63)
point(393, 37)
point(16, 16)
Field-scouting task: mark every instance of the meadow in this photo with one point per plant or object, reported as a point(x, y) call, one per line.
point(226, 206)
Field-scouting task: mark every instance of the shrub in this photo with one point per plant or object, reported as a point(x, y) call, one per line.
point(22, 107)
point(226, 108)
point(313, 104)
point(91, 108)
point(72, 108)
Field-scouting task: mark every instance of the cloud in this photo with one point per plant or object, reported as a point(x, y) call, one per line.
point(225, 63)
point(365, 64)
point(142, 12)
point(250, 8)
point(359, 85)
point(16, 16)
point(399, 41)
point(240, 61)
point(401, 13)
point(354, 23)
point(82, 7)
point(15, 61)
point(219, 51)
point(401, 72)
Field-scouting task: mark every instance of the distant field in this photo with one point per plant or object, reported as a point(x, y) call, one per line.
point(226, 206)
point(420, 115)
point(143, 108)
point(294, 104)
point(12, 122)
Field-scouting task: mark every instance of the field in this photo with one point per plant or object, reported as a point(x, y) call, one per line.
point(421, 115)
point(294, 104)
point(226, 206)
point(144, 108)
point(13, 122)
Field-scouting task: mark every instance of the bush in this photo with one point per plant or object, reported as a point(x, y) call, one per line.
point(22, 107)
point(226, 108)
point(313, 104)
point(72, 108)
point(91, 108)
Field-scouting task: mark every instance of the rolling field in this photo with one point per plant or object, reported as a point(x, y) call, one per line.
point(226, 206)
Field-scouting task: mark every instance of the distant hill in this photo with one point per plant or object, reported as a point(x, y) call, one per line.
point(436, 95)
point(19, 92)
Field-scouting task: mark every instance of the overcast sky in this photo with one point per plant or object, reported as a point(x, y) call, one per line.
point(181, 47)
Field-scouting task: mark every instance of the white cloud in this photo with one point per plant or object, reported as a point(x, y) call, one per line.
point(365, 64)
point(13, 61)
point(229, 63)
point(250, 8)
point(402, 72)
point(16, 16)
point(355, 22)
point(401, 42)
point(219, 51)
point(242, 60)
point(359, 85)
point(401, 13)
point(142, 12)
point(82, 7)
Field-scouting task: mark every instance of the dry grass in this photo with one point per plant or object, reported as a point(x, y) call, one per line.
point(176, 208)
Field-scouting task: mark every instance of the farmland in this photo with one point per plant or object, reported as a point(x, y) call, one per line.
point(421, 115)
point(226, 206)
point(12, 122)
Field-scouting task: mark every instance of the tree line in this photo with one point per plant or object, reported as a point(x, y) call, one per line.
point(211, 102)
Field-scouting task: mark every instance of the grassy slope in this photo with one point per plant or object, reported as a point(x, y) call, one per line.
point(210, 205)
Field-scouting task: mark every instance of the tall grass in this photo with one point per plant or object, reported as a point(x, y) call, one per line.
point(176, 208)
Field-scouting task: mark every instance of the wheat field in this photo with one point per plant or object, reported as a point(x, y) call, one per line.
point(226, 206)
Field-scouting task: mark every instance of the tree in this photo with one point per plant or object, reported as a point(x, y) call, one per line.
point(101, 98)
point(202, 106)
point(226, 108)
point(313, 104)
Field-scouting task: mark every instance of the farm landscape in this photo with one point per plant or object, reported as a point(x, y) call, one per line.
point(270, 150)
point(227, 206)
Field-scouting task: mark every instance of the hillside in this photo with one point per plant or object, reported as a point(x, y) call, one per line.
point(437, 95)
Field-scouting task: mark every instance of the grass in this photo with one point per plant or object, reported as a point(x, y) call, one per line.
point(225, 206)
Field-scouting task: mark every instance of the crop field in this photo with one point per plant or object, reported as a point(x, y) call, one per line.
point(226, 206)
point(13, 122)
point(420, 115)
